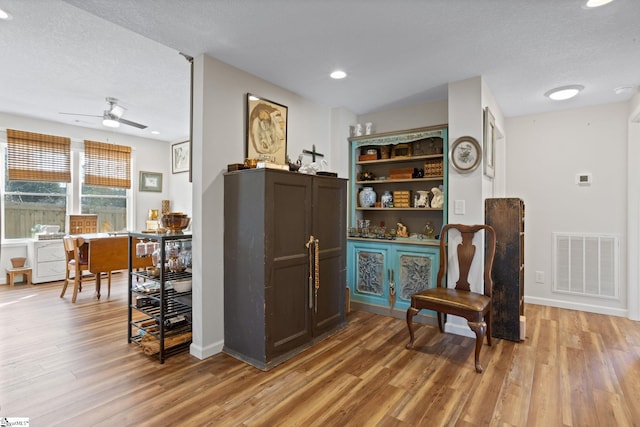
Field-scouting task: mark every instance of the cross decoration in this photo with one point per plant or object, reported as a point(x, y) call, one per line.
point(313, 153)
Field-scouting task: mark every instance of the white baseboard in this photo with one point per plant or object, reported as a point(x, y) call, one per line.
point(207, 351)
point(458, 329)
point(589, 308)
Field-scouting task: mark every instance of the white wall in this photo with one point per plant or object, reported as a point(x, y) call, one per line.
point(180, 192)
point(465, 119)
point(544, 154)
point(427, 114)
point(633, 198)
point(219, 139)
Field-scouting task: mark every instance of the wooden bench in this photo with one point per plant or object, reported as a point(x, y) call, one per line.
point(12, 272)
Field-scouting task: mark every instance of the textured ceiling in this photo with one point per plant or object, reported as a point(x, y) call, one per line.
point(67, 56)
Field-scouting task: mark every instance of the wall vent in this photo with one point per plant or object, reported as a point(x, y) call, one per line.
point(586, 264)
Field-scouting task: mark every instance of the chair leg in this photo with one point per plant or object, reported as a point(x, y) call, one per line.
point(64, 287)
point(487, 319)
point(108, 284)
point(411, 311)
point(441, 322)
point(479, 329)
point(76, 285)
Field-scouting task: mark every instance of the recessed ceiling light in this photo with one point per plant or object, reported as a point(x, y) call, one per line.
point(596, 3)
point(338, 74)
point(4, 15)
point(564, 92)
point(155, 132)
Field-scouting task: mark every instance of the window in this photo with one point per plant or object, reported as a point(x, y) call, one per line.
point(37, 170)
point(107, 176)
point(27, 204)
point(109, 203)
point(39, 194)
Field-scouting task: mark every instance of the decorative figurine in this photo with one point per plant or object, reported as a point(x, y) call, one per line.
point(438, 198)
point(428, 230)
point(402, 230)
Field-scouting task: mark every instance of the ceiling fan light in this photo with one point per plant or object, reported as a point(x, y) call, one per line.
point(564, 92)
point(110, 122)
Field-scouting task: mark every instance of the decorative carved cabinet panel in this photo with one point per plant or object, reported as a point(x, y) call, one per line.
point(506, 216)
point(385, 275)
point(281, 296)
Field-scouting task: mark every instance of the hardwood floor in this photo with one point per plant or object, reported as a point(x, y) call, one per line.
point(70, 364)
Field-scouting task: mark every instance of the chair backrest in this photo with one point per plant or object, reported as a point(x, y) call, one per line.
point(465, 252)
point(72, 249)
point(69, 248)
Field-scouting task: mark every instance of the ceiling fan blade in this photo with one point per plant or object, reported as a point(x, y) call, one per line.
point(77, 114)
point(130, 123)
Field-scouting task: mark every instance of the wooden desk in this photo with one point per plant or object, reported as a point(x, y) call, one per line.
point(108, 252)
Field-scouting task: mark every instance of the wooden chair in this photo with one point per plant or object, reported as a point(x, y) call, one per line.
point(460, 301)
point(77, 265)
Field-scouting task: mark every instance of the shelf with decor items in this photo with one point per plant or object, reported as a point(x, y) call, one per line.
point(392, 245)
point(160, 296)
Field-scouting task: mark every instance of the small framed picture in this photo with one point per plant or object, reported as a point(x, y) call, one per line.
point(151, 181)
point(489, 143)
point(180, 157)
point(465, 154)
point(266, 130)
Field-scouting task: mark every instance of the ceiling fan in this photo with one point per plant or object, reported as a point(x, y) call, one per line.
point(112, 117)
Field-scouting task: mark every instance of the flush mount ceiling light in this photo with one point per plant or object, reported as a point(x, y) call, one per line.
point(590, 4)
point(564, 92)
point(338, 74)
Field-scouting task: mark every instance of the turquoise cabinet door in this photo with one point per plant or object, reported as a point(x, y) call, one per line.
point(415, 269)
point(368, 277)
point(374, 266)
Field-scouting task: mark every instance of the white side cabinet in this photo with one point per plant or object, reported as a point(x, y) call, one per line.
point(47, 259)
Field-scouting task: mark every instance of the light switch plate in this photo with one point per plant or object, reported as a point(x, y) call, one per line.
point(459, 207)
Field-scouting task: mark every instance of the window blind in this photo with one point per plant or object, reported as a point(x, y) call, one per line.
point(38, 157)
point(108, 165)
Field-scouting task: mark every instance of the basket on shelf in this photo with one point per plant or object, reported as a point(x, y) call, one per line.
point(433, 167)
point(401, 173)
point(402, 199)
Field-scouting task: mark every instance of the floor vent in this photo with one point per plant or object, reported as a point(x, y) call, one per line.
point(586, 264)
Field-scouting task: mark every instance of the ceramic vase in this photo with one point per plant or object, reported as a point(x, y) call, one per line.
point(367, 197)
point(386, 199)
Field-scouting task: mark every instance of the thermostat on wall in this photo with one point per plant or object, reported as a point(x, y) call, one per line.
point(583, 179)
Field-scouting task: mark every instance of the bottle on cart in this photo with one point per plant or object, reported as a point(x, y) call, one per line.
point(176, 321)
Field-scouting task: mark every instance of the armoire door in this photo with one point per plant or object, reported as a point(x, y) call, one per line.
point(329, 227)
point(287, 229)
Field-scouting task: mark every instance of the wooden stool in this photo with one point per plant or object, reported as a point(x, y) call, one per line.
point(11, 274)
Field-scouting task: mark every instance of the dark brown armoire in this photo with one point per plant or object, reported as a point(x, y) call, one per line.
point(506, 216)
point(274, 304)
